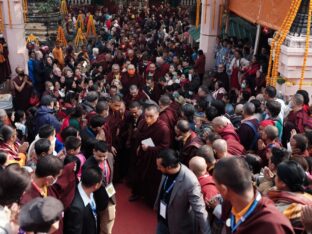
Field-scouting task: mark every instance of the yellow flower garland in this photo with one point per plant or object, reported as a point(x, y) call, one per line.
point(284, 32)
point(61, 36)
point(90, 27)
point(32, 38)
point(307, 45)
point(80, 37)
point(63, 7)
point(80, 23)
point(273, 43)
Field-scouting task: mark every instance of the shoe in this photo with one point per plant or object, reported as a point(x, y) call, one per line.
point(133, 198)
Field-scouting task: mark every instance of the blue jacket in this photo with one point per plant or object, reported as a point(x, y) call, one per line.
point(44, 116)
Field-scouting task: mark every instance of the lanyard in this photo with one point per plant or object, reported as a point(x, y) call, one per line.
point(170, 187)
point(106, 172)
point(43, 192)
point(93, 208)
point(245, 216)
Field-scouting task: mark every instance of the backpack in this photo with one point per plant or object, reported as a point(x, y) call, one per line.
point(256, 134)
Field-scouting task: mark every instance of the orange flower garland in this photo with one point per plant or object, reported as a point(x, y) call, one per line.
point(91, 27)
point(281, 39)
point(80, 38)
point(60, 36)
point(80, 23)
point(273, 44)
point(307, 45)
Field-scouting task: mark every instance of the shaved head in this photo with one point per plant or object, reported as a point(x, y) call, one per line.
point(198, 166)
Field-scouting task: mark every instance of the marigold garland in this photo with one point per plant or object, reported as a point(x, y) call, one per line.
point(90, 27)
point(80, 37)
point(32, 38)
point(61, 36)
point(307, 45)
point(274, 41)
point(279, 39)
point(63, 8)
point(80, 23)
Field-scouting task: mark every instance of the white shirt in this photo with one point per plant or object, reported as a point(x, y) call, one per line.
point(86, 200)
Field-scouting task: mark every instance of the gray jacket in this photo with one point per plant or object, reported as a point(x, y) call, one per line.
point(186, 210)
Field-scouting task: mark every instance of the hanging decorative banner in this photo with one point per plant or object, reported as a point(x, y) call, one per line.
point(61, 36)
point(9, 11)
point(197, 13)
point(64, 10)
point(90, 27)
point(80, 38)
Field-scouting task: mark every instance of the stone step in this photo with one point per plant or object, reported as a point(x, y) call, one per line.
point(35, 26)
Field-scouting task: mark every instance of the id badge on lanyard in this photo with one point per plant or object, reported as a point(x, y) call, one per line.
point(163, 209)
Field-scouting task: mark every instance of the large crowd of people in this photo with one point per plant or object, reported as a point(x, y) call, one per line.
point(211, 151)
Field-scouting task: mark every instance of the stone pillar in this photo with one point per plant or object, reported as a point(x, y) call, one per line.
point(15, 34)
point(208, 32)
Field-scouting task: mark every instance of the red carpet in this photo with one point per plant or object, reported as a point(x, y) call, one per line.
point(132, 217)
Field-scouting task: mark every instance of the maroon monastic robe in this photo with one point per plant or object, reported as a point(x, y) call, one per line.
point(148, 175)
point(266, 218)
point(63, 189)
point(170, 117)
point(189, 148)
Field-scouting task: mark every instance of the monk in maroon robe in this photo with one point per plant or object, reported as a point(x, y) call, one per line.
point(130, 78)
point(151, 128)
point(61, 187)
point(167, 113)
point(188, 140)
point(135, 95)
point(232, 178)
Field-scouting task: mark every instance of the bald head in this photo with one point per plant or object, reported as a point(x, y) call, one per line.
point(239, 109)
point(198, 166)
point(220, 147)
point(183, 126)
point(219, 123)
point(164, 101)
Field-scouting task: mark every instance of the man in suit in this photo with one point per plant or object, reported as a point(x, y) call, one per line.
point(179, 203)
point(104, 197)
point(81, 216)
